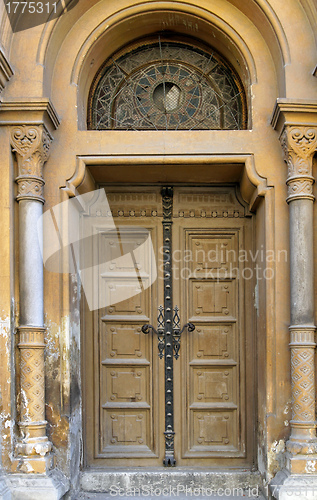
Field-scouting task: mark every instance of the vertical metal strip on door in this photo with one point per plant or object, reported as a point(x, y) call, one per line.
point(167, 201)
point(168, 330)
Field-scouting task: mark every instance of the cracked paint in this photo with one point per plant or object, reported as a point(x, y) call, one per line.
point(5, 329)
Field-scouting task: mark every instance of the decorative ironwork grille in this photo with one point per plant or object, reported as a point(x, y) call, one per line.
point(167, 86)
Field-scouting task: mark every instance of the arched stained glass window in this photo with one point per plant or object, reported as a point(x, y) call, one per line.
point(167, 86)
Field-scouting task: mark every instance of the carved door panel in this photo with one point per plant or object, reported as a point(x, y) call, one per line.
point(215, 372)
point(213, 382)
point(124, 423)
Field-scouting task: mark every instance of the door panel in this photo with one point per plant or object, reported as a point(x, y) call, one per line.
point(125, 419)
point(213, 385)
point(213, 408)
point(213, 376)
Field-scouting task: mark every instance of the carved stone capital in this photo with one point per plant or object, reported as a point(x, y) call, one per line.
point(299, 144)
point(300, 187)
point(31, 144)
point(31, 188)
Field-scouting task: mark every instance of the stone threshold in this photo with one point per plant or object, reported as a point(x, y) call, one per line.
point(178, 482)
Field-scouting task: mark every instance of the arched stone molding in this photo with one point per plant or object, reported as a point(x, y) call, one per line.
point(311, 13)
point(260, 12)
point(264, 16)
point(6, 33)
point(6, 72)
point(145, 19)
point(276, 28)
point(236, 36)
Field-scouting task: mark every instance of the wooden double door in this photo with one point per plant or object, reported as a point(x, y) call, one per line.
point(212, 285)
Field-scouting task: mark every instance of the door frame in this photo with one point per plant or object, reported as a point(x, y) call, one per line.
point(239, 169)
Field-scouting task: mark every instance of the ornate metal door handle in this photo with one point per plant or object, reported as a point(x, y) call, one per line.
point(160, 331)
point(177, 331)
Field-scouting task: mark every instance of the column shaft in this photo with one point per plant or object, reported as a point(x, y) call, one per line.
point(30, 263)
point(301, 262)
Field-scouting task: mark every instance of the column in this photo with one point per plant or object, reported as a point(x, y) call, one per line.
point(31, 146)
point(299, 144)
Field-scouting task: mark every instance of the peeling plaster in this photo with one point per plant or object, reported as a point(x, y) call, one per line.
point(25, 403)
point(63, 385)
point(65, 361)
point(261, 450)
point(287, 408)
point(75, 451)
point(5, 329)
point(52, 336)
point(310, 466)
point(5, 323)
point(6, 423)
point(58, 424)
point(26, 467)
point(276, 457)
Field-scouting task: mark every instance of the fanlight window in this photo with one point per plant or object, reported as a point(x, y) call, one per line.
point(166, 86)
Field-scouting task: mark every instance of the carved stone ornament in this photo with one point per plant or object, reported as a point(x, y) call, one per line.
point(32, 404)
point(303, 389)
point(299, 145)
point(31, 144)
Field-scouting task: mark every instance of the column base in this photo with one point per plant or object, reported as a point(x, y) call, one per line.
point(34, 464)
point(52, 486)
point(304, 463)
point(287, 486)
point(33, 452)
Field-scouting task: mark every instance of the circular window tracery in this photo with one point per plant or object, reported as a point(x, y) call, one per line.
point(166, 86)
